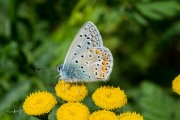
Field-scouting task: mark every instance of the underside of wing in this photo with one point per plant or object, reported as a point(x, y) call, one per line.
point(95, 64)
point(87, 37)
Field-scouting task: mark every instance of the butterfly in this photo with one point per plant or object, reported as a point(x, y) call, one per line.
point(87, 59)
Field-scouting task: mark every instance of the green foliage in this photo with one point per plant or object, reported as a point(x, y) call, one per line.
point(158, 10)
point(157, 105)
point(154, 102)
point(143, 36)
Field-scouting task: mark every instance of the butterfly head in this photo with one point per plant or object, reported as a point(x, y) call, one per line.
point(59, 67)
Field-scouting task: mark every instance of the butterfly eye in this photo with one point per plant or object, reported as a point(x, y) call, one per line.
point(59, 67)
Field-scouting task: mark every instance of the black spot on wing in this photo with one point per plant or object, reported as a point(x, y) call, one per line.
point(82, 56)
point(79, 46)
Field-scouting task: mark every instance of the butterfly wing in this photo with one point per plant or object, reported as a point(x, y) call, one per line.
point(87, 59)
point(87, 37)
point(94, 64)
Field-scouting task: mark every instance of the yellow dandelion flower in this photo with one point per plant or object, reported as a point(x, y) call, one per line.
point(176, 85)
point(39, 103)
point(71, 92)
point(130, 116)
point(103, 115)
point(73, 111)
point(109, 97)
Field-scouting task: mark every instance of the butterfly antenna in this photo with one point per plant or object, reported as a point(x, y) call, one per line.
point(57, 76)
point(51, 71)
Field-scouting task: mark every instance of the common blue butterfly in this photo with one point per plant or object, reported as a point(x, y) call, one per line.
point(87, 59)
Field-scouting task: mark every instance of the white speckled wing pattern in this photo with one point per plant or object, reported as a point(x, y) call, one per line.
point(83, 40)
point(87, 56)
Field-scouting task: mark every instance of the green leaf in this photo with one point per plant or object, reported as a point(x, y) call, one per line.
point(13, 96)
point(140, 19)
point(173, 30)
point(159, 10)
point(52, 115)
point(156, 104)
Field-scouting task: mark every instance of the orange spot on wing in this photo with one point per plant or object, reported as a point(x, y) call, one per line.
point(98, 52)
point(101, 75)
point(104, 69)
point(104, 54)
point(104, 63)
point(105, 58)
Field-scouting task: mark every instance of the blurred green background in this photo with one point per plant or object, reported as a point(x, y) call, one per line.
point(143, 36)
